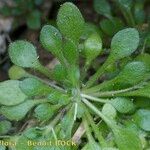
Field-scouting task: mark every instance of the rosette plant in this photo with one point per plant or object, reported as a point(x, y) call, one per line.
point(70, 103)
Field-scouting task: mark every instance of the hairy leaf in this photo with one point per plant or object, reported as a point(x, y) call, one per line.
point(10, 93)
point(70, 21)
point(17, 112)
point(23, 54)
point(124, 43)
point(51, 40)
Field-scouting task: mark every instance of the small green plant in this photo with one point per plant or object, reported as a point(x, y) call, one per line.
point(108, 112)
point(27, 9)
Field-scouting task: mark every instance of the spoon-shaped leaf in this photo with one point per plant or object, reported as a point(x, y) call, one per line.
point(18, 112)
point(142, 119)
point(70, 21)
point(123, 44)
point(51, 40)
point(5, 126)
point(92, 47)
point(132, 74)
point(34, 87)
point(16, 72)
point(10, 93)
point(23, 54)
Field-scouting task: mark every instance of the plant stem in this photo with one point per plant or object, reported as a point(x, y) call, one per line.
point(94, 98)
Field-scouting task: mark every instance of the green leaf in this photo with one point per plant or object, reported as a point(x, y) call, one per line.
point(5, 126)
point(92, 47)
point(23, 54)
point(59, 72)
point(51, 40)
point(102, 7)
point(34, 20)
point(45, 111)
point(142, 119)
point(110, 27)
point(132, 73)
point(70, 52)
point(122, 105)
point(17, 112)
point(70, 21)
point(67, 123)
point(16, 72)
point(10, 93)
point(120, 48)
point(34, 87)
point(127, 139)
point(124, 43)
point(109, 111)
